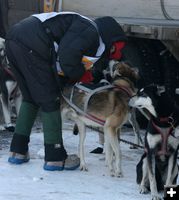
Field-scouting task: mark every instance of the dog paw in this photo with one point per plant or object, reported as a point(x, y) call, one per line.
point(118, 174)
point(112, 173)
point(156, 197)
point(143, 190)
point(83, 168)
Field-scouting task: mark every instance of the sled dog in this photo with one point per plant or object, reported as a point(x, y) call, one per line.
point(158, 165)
point(106, 107)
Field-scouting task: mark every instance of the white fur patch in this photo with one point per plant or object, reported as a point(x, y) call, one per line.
point(153, 140)
point(2, 46)
point(143, 102)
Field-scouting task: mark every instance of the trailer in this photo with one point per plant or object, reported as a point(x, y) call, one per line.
point(150, 19)
point(152, 26)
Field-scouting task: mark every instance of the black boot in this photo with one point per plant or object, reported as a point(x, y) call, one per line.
point(19, 149)
point(56, 158)
point(55, 152)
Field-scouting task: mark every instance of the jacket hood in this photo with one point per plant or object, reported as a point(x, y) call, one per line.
point(110, 30)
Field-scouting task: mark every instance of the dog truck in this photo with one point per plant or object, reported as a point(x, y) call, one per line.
point(140, 19)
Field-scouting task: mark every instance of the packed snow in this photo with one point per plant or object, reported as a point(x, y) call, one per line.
point(29, 181)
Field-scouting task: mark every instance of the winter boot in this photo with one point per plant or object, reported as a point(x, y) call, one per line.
point(72, 162)
point(16, 158)
point(56, 158)
point(19, 149)
point(55, 154)
point(19, 144)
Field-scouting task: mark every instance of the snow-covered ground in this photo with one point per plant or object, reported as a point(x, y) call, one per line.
point(29, 181)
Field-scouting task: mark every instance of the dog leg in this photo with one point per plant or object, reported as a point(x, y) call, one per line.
point(18, 101)
point(113, 151)
point(6, 112)
point(7, 106)
point(172, 170)
point(108, 153)
point(174, 174)
point(82, 136)
point(152, 176)
point(144, 181)
point(117, 151)
point(136, 129)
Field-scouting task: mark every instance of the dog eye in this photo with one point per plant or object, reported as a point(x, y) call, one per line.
point(144, 94)
point(141, 93)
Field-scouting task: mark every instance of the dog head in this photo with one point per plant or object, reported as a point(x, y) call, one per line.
point(116, 68)
point(124, 75)
point(154, 100)
point(125, 70)
point(2, 47)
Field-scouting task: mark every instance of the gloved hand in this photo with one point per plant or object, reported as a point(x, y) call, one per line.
point(87, 77)
point(88, 64)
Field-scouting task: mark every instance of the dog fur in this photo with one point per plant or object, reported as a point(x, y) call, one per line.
point(132, 119)
point(158, 165)
point(10, 93)
point(110, 106)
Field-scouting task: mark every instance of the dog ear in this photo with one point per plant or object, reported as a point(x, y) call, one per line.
point(160, 90)
point(112, 66)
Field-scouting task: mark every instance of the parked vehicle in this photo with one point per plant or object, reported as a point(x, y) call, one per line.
point(151, 26)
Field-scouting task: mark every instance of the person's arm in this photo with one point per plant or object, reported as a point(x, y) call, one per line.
point(72, 48)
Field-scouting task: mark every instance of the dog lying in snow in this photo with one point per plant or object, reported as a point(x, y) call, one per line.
point(107, 108)
point(9, 90)
point(158, 166)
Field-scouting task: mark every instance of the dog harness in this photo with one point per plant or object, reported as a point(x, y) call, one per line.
point(170, 126)
point(78, 87)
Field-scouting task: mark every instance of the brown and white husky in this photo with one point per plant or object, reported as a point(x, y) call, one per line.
point(106, 107)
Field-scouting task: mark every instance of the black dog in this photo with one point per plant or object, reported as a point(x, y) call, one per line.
point(158, 165)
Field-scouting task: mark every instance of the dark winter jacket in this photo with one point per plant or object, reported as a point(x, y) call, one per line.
point(75, 36)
